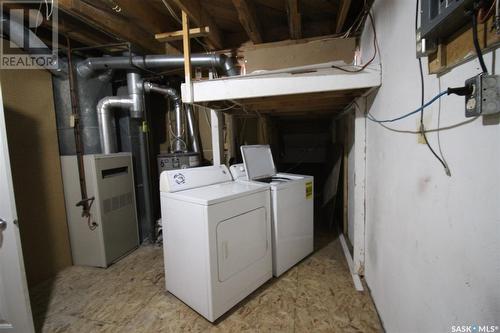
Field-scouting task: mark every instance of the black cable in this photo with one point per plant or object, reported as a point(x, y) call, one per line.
point(422, 102)
point(475, 40)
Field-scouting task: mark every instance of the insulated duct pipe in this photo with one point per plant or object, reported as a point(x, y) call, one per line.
point(106, 118)
point(219, 61)
point(134, 102)
point(21, 36)
point(176, 98)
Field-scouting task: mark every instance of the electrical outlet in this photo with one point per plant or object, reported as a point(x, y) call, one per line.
point(485, 96)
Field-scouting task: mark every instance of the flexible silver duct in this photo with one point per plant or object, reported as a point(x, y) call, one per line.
point(88, 66)
point(193, 133)
point(18, 33)
point(176, 98)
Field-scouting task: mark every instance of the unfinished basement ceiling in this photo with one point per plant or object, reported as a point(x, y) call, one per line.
point(232, 23)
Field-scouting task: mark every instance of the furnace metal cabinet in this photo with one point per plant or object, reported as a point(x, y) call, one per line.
point(110, 181)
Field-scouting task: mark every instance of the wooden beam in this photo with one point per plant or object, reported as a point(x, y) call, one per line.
point(187, 55)
point(178, 35)
point(342, 15)
point(68, 26)
point(113, 24)
point(201, 18)
point(249, 20)
point(459, 48)
point(147, 17)
point(294, 19)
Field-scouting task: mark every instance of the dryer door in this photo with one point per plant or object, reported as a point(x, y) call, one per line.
point(241, 241)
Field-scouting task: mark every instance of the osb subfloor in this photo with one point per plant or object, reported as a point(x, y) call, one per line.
point(315, 296)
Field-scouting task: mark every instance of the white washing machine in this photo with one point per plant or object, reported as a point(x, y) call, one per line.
point(217, 243)
point(292, 205)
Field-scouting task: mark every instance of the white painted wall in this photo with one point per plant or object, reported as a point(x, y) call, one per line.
point(432, 241)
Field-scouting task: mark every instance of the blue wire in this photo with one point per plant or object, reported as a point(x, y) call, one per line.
point(411, 113)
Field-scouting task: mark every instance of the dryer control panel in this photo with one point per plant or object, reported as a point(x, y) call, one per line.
point(185, 179)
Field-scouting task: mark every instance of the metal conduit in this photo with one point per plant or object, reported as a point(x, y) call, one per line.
point(88, 66)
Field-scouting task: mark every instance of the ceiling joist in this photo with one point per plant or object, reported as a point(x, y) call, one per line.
point(249, 20)
point(113, 24)
point(294, 19)
point(342, 15)
point(201, 18)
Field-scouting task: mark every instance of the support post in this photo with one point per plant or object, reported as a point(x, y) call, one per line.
point(231, 135)
point(359, 188)
point(186, 43)
point(217, 136)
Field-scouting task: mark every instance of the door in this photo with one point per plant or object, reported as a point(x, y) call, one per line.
point(241, 241)
point(15, 310)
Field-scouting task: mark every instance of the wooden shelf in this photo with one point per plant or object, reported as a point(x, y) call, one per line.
point(309, 89)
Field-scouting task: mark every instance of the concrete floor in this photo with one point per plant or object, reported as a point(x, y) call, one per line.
point(315, 296)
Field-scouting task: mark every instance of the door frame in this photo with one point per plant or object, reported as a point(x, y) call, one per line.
point(13, 285)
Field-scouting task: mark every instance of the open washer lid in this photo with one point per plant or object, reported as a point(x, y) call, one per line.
point(258, 161)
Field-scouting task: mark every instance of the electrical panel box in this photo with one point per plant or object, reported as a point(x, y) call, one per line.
point(110, 180)
point(485, 96)
point(439, 19)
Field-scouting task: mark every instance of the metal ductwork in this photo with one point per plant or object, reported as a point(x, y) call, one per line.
point(89, 92)
point(88, 67)
point(106, 121)
point(176, 98)
point(192, 130)
point(134, 85)
point(20, 35)
point(105, 117)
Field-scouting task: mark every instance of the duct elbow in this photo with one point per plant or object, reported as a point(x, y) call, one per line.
point(227, 65)
point(162, 90)
point(105, 119)
point(84, 68)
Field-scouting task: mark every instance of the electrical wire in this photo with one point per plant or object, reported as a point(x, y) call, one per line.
point(475, 40)
point(420, 109)
point(497, 15)
point(358, 21)
point(422, 93)
point(439, 132)
point(375, 50)
point(222, 110)
point(408, 131)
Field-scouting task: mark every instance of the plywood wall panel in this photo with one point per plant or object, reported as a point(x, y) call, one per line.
point(36, 172)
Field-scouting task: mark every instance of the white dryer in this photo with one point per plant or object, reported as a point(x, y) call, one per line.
point(217, 243)
point(292, 205)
